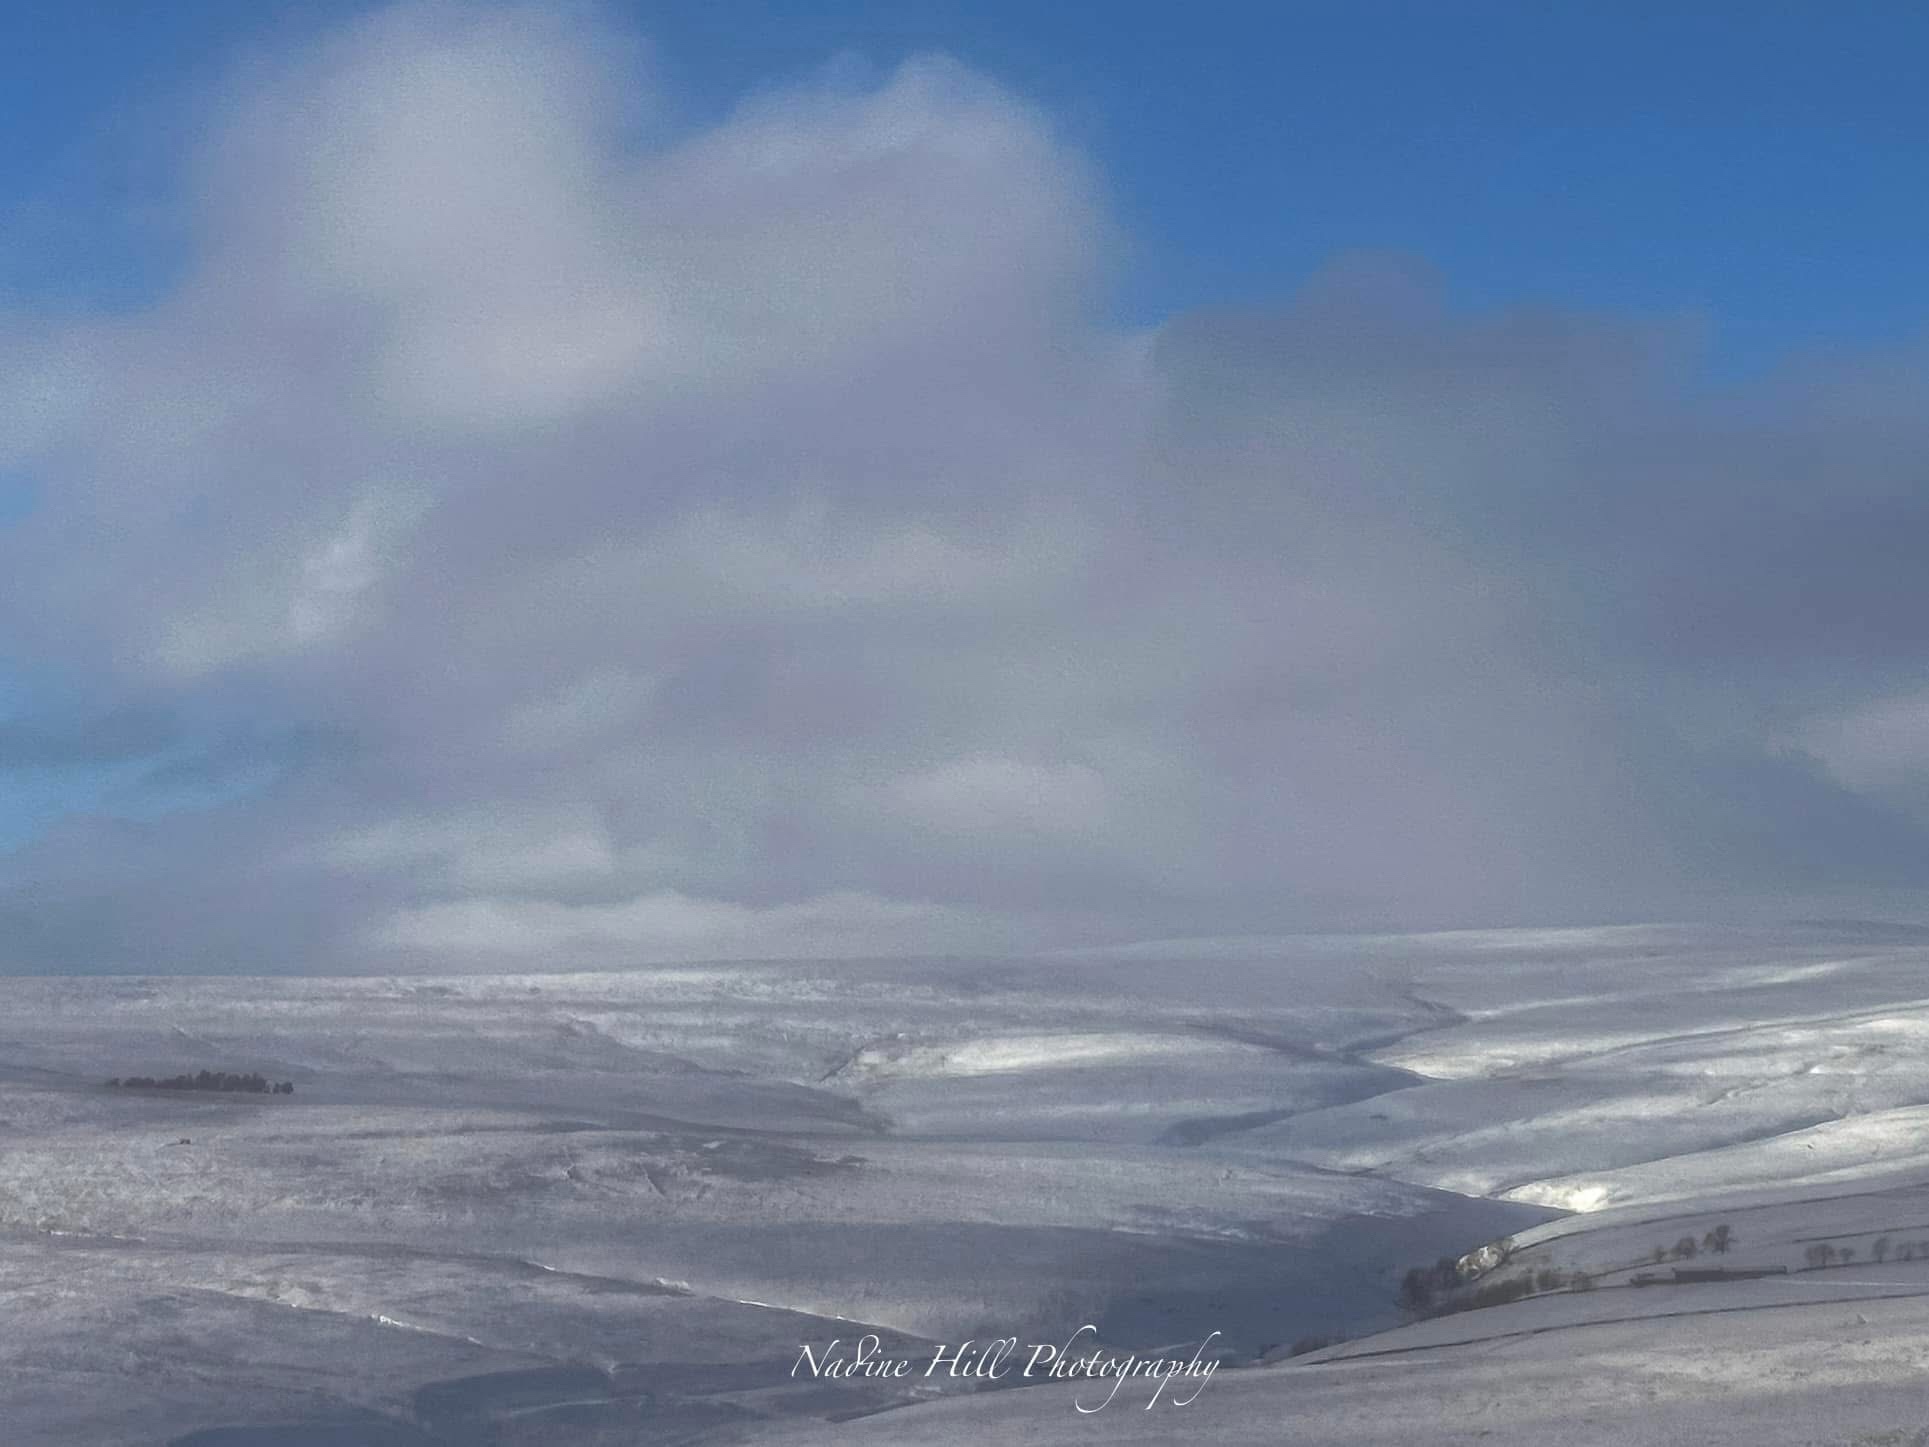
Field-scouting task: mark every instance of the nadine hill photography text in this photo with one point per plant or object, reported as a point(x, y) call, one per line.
point(1006, 1359)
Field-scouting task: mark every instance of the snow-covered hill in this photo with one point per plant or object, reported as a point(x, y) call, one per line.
point(612, 1207)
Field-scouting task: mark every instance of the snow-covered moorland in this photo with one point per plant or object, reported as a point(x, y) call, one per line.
point(600, 1208)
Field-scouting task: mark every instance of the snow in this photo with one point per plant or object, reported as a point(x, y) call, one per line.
point(600, 1207)
point(1825, 1373)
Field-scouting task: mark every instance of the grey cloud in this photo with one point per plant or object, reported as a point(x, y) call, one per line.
point(758, 542)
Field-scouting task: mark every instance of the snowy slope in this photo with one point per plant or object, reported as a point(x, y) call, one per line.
point(586, 1208)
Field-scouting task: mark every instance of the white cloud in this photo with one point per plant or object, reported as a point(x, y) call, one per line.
point(301, 600)
point(580, 714)
point(482, 849)
point(1880, 747)
point(667, 925)
point(988, 794)
point(644, 527)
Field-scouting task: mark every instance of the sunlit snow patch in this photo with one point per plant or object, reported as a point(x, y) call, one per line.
point(1012, 1053)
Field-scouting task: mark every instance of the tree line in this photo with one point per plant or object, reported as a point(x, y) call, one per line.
point(252, 1083)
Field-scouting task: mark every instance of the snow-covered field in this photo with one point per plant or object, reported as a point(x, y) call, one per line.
point(602, 1208)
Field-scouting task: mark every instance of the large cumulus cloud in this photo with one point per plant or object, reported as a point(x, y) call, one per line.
point(552, 537)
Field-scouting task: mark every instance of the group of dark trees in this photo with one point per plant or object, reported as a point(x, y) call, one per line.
point(1717, 1240)
point(250, 1084)
point(1423, 1286)
point(1432, 1290)
point(1822, 1253)
point(1429, 1290)
point(1497, 1293)
point(1827, 1253)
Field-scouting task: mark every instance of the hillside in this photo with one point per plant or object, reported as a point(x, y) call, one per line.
point(551, 1208)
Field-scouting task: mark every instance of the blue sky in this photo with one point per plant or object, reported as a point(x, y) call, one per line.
point(1755, 165)
point(493, 482)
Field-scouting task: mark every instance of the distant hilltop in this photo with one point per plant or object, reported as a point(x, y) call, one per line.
point(250, 1084)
